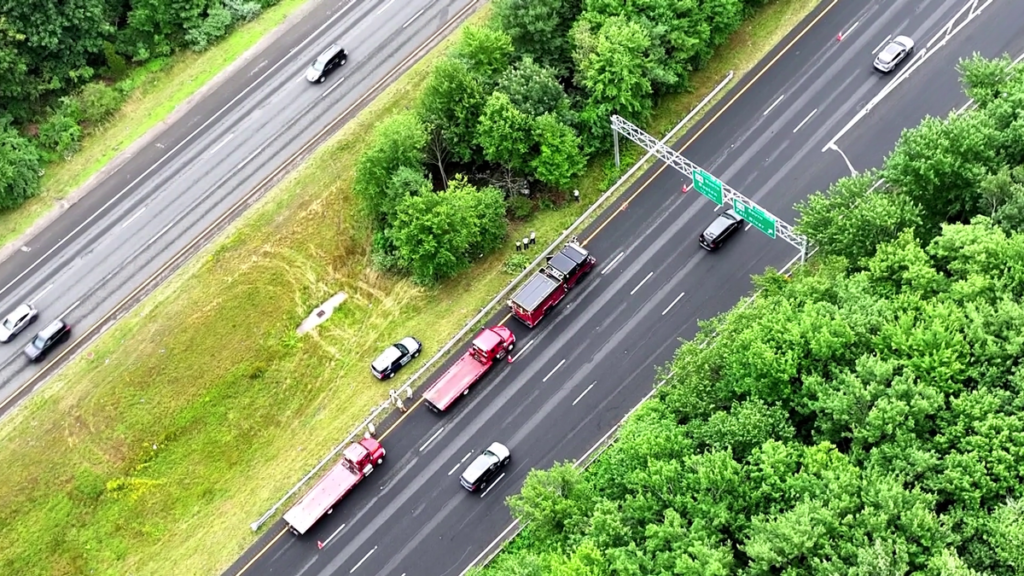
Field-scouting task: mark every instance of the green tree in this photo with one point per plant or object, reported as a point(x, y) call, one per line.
point(486, 50)
point(436, 236)
point(397, 142)
point(534, 90)
point(939, 165)
point(453, 101)
point(505, 134)
point(854, 216)
point(19, 169)
point(614, 75)
point(984, 80)
point(539, 28)
point(560, 158)
point(554, 502)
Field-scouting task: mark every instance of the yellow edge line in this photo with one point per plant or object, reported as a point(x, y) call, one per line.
point(265, 548)
point(715, 117)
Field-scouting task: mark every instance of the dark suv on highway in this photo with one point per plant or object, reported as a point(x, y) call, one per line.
point(325, 63)
point(724, 226)
point(58, 331)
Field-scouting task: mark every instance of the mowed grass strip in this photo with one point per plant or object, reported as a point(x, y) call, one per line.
point(152, 451)
point(162, 85)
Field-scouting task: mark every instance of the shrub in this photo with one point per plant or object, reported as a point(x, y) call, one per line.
point(520, 207)
point(60, 134)
point(517, 262)
point(117, 68)
point(19, 169)
point(97, 101)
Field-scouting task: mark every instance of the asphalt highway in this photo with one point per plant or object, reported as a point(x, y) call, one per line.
point(137, 220)
point(595, 357)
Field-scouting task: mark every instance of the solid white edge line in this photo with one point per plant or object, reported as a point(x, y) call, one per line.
point(553, 370)
point(168, 154)
point(417, 15)
point(681, 294)
point(582, 394)
point(454, 469)
point(646, 278)
point(383, 8)
point(801, 125)
point(879, 47)
point(136, 215)
point(493, 485)
point(773, 105)
point(436, 434)
point(363, 560)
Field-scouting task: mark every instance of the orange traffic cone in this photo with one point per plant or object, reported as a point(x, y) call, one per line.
point(319, 545)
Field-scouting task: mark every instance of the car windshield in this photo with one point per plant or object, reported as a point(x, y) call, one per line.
point(9, 323)
point(318, 65)
point(39, 342)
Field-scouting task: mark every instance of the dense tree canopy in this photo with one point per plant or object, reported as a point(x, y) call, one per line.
point(523, 101)
point(845, 422)
point(863, 417)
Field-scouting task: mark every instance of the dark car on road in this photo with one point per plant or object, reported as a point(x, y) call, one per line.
point(394, 357)
point(326, 62)
point(485, 467)
point(724, 226)
point(58, 331)
point(16, 321)
point(894, 52)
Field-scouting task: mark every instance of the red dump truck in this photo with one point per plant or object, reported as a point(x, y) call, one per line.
point(356, 463)
point(551, 283)
point(490, 345)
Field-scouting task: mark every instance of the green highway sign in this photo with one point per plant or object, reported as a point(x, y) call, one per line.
point(708, 185)
point(757, 217)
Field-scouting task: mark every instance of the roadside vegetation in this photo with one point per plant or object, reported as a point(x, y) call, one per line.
point(153, 451)
point(80, 86)
point(515, 111)
point(864, 417)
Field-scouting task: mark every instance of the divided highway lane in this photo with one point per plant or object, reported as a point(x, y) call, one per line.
point(586, 365)
point(142, 215)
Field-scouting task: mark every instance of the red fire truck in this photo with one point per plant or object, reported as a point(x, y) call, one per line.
point(551, 283)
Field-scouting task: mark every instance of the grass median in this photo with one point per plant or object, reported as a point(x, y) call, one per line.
point(153, 450)
point(162, 85)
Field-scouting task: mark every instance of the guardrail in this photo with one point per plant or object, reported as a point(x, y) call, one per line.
point(407, 388)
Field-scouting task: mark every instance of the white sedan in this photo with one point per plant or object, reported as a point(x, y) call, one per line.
point(16, 321)
point(894, 52)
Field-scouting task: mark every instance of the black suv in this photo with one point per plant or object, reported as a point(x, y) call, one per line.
point(485, 467)
point(333, 57)
point(724, 226)
point(58, 331)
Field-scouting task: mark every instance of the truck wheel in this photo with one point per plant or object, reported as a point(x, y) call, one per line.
point(505, 461)
point(331, 510)
point(466, 391)
point(380, 461)
point(511, 346)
